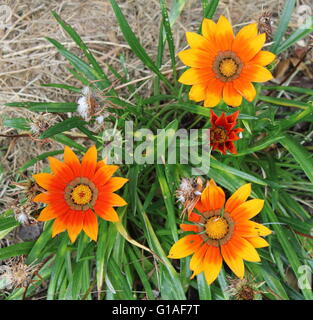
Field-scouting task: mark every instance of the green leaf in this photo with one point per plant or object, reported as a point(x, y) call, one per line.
point(74, 35)
point(283, 24)
point(135, 45)
point(17, 123)
point(39, 158)
point(65, 125)
point(301, 155)
point(16, 250)
point(57, 107)
point(284, 102)
point(40, 244)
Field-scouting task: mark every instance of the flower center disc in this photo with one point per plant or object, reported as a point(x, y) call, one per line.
point(228, 67)
point(81, 194)
point(216, 227)
point(218, 135)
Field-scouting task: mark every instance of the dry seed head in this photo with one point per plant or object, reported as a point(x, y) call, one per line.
point(22, 213)
point(243, 289)
point(16, 274)
point(265, 24)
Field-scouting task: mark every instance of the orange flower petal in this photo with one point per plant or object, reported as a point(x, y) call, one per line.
point(239, 197)
point(196, 58)
point(61, 169)
point(198, 92)
point(103, 174)
point(263, 58)
point(189, 227)
point(258, 242)
point(212, 264)
point(100, 164)
point(231, 95)
point(250, 48)
point(247, 210)
point(208, 29)
point(74, 224)
point(196, 41)
point(247, 228)
point(243, 248)
point(244, 35)
point(107, 213)
point(245, 88)
point(89, 163)
point(109, 200)
point(197, 260)
point(42, 197)
point(256, 73)
point(72, 161)
point(90, 225)
point(48, 181)
point(224, 35)
point(193, 217)
point(115, 183)
point(185, 246)
point(47, 214)
point(234, 262)
point(196, 76)
point(58, 225)
point(213, 93)
point(213, 197)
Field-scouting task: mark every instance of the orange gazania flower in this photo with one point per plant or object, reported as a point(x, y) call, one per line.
point(78, 192)
point(223, 133)
point(222, 65)
point(222, 231)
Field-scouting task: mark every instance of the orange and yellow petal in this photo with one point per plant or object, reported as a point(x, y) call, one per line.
point(59, 225)
point(247, 210)
point(234, 262)
point(231, 96)
point(196, 58)
point(72, 161)
point(47, 214)
point(74, 224)
point(245, 88)
point(251, 48)
point(238, 197)
point(196, 262)
point(189, 227)
point(48, 181)
point(247, 228)
point(208, 29)
point(243, 248)
point(256, 73)
point(196, 76)
point(213, 197)
point(185, 246)
point(103, 174)
point(244, 35)
point(214, 93)
point(90, 225)
point(115, 184)
point(224, 35)
point(196, 41)
point(198, 92)
point(263, 58)
point(258, 242)
point(107, 213)
point(61, 169)
point(89, 163)
point(212, 264)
